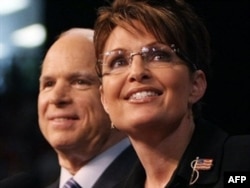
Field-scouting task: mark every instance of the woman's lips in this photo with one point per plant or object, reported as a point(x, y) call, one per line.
point(143, 92)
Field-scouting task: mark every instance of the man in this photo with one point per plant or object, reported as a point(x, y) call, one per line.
point(72, 119)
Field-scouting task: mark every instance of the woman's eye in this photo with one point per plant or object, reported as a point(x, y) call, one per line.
point(118, 62)
point(161, 56)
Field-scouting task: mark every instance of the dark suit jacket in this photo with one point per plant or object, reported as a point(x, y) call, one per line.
point(115, 172)
point(229, 153)
point(20, 180)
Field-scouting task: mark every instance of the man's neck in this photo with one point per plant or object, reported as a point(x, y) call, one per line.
point(74, 160)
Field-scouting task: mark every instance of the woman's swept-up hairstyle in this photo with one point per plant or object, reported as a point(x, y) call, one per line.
point(169, 21)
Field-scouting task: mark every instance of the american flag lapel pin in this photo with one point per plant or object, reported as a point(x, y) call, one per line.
point(199, 164)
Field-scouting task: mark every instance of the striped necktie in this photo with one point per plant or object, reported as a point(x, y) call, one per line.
point(71, 183)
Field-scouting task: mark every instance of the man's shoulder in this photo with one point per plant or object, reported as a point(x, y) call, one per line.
point(54, 184)
point(118, 169)
point(21, 180)
point(127, 152)
point(124, 161)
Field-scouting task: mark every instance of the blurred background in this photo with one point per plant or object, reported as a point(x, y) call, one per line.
point(29, 27)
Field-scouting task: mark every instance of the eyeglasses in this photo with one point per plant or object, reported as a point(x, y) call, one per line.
point(154, 56)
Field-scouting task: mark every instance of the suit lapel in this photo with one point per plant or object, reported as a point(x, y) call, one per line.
point(54, 185)
point(118, 169)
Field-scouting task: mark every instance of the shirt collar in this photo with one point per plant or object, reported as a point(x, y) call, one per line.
point(89, 173)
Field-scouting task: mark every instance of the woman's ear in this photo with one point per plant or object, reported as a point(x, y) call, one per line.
point(104, 103)
point(199, 87)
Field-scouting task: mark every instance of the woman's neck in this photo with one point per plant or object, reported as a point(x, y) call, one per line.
point(160, 155)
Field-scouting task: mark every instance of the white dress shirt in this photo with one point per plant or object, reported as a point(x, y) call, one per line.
point(89, 173)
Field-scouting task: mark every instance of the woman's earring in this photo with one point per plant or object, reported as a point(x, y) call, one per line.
point(112, 125)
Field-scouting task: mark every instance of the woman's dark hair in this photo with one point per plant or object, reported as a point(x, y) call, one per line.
point(170, 21)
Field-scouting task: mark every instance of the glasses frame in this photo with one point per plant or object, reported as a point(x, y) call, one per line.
point(175, 49)
point(183, 56)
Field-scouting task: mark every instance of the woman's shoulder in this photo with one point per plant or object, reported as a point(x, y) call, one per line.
point(240, 143)
point(235, 140)
point(236, 148)
point(237, 153)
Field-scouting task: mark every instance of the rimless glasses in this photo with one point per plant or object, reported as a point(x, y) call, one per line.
point(153, 56)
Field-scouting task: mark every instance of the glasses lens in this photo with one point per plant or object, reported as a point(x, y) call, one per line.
point(158, 55)
point(118, 61)
point(115, 61)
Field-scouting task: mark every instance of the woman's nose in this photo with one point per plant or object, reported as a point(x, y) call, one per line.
point(138, 69)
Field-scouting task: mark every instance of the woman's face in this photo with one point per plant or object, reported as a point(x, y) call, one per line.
point(141, 97)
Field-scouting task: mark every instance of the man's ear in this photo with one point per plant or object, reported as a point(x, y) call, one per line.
point(199, 83)
point(104, 103)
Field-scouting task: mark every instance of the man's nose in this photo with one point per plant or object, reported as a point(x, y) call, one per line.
point(60, 94)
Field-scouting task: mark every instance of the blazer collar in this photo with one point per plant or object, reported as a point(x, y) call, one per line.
point(207, 143)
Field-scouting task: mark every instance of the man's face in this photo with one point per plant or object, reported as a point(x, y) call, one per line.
point(71, 116)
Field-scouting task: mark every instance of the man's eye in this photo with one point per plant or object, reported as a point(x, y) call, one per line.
point(48, 84)
point(81, 82)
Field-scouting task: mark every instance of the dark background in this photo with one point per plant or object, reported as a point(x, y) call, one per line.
point(227, 102)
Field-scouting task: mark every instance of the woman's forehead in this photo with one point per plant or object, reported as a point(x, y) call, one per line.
point(121, 37)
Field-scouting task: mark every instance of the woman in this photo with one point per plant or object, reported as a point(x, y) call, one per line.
point(153, 60)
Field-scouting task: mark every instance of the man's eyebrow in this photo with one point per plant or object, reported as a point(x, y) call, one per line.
point(44, 78)
point(85, 75)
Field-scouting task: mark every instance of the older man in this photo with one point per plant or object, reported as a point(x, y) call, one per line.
point(72, 119)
